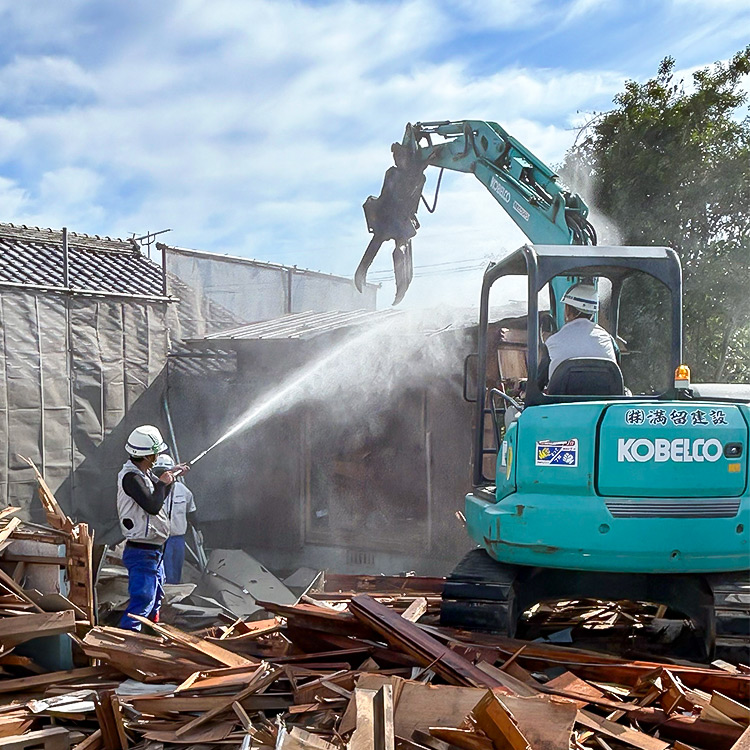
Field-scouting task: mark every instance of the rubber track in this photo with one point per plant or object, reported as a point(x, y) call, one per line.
point(732, 612)
point(478, 595)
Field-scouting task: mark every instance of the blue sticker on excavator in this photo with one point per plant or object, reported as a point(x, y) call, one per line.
point(557, 453)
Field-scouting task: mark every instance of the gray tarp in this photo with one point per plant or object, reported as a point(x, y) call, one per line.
point(73, 367)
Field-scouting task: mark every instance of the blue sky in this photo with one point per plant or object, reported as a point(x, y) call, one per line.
point(258, 127)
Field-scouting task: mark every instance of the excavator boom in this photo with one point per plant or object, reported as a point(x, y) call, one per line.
point(525, 187)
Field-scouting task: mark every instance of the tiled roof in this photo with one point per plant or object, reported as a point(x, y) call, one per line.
point(34, 257)
point(303, 325)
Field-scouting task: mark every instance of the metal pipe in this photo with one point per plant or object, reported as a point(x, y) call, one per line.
point(171, 428)
point(66, 259)
point(163, 269)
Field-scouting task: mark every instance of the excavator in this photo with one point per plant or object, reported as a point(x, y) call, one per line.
point(585, 489)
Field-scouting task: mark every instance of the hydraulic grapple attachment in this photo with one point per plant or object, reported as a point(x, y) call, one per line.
point(393, 215)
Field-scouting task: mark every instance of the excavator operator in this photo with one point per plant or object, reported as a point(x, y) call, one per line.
point(580, 336)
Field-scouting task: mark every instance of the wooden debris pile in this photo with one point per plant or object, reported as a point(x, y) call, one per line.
point(364, 668)
point(363, 675)
point(46, 583)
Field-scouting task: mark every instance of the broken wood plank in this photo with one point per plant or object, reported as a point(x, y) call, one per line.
point(35, 682)
point(22, 628)
point(731, 708)
point(743, 743)
point(54, 738)
point(92, 742)
point(630, 737)
point(202, 646)
point(426, 650)
point(462, 738)
point(496, 721)
point(263, 677)
point(55, 515)
point(415, 610)
point(374, 719)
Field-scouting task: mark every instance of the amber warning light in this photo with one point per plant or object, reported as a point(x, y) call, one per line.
point(682, 377)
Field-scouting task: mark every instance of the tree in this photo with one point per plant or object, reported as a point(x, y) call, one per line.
point(670, 165)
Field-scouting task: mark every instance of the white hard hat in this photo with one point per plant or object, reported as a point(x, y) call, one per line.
point(145, 440)
point(164, 461)
point(583, 297)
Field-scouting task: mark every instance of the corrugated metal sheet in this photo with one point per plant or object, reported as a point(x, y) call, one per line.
point(303, 325)
point(33, 257)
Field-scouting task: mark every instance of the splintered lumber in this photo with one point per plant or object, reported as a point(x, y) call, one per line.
point(743, 743)
point(54, 738)
point(41, 681)
point(595, 666)
point(383, 584)
point(155, 705)
point(546, 721)
point(136, 654)
point(423, 648)
point(495, 720)
point(215, 733)
point(462, 738)
point(631, 737)
point(263, 676)
point(375, 721)
point(92, 742)
point(730, 708)
point(321, 619)
point(202, 646)
point(415, 610)
point(7, 530)
point(22, 628)
point(299, 739)
point(55, 515)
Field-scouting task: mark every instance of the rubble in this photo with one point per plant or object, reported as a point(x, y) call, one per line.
point(359, 663)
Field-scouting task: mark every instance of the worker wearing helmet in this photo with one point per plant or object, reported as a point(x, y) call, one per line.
point(144, 509)
point(580, 336)
point(183, 515)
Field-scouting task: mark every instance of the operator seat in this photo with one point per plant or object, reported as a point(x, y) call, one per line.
point(586, 376)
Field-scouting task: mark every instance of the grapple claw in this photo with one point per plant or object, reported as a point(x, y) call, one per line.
point(403, 269)
point(393, 215)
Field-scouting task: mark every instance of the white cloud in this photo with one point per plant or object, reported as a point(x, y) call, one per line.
point(260, 128)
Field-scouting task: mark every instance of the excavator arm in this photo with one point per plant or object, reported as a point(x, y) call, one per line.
point(525, 187)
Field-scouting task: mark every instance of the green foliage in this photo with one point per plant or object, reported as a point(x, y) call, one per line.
point(670, 165)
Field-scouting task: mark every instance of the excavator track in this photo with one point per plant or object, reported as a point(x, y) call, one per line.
point(478, 595)
point(732, 616)
point(482, 594)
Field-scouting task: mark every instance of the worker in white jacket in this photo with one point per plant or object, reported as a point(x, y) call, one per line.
point(144, 505)
point(183, 516)
point(580, 336)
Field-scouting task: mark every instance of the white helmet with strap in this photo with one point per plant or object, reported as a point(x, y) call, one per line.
point(145, 440)
point(583, 297)
point(164, 461)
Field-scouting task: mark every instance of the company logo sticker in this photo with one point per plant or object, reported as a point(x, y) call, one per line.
point(499, 189)
point(679, 417)
point(557, 452)
point(661, 450)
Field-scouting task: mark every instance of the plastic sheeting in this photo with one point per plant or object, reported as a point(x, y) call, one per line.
point(72, 367)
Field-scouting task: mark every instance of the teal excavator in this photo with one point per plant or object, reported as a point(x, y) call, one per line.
point(581, 489)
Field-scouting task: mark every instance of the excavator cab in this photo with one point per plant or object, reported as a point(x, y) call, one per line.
point(636, 494)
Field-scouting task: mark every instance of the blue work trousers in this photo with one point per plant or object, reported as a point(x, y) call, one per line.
point(174, 557)
point(145, 584)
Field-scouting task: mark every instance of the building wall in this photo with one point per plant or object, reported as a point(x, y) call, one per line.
point(72, 369)
point(374, 488)
point(253, 291)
